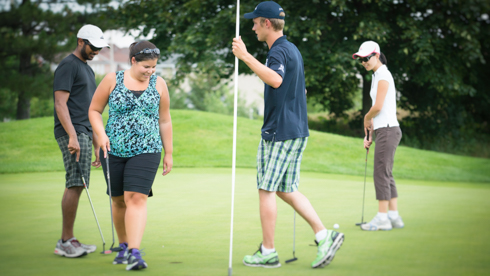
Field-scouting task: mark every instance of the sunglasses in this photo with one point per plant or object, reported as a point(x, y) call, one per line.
point(92, 47)
point(148, 51)
point(366, 59)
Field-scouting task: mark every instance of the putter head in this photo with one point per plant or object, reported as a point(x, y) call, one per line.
point(360, 223)
point(116, 249)
point(105, 252)
point(291, 260)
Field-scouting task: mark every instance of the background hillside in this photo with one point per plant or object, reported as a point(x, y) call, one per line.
point(203, 139)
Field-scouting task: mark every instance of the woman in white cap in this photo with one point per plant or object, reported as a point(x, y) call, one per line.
point(381, 119)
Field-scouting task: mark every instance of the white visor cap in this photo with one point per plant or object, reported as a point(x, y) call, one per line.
point(94, 35)
point(366, 49)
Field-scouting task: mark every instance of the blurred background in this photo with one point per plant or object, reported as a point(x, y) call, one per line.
point(437, 50)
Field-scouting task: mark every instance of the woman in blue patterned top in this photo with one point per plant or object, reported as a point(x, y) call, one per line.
point(139, 126)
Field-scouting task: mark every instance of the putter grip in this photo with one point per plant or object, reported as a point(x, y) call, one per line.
point(367, 139)
point(79, 168)
point(108, 174)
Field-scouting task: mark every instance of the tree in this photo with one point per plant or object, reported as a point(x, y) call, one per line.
point(442, 83)
point(32, 33)
point(202, 31)
point(436, 51)
point(208, 93)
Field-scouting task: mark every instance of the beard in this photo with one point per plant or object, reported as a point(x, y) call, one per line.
point(84, 54)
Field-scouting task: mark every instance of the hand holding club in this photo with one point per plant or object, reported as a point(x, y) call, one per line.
point(104, 144)
point(74, 147)
point(368, 139)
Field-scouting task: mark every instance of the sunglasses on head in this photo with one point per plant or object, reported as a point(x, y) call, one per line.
point(92, 47)
point(366, 59)
point(148, 51)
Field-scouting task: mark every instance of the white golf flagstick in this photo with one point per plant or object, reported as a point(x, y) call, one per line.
point(237, 31)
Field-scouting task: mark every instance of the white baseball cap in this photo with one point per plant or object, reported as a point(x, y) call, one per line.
point(366, 49)
point(94, 35)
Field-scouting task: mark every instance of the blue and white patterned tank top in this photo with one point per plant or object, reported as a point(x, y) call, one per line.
point(133, 127)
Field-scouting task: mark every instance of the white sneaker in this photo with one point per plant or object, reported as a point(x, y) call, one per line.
point(72, 248)
point(377, 224)
point(89, 247)
point(397, 223)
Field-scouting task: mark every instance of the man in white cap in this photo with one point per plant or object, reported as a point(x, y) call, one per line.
point(73, 88)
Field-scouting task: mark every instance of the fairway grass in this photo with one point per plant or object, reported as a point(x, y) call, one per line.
point(188, 227)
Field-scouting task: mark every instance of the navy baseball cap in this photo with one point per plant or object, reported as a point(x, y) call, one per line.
point(267, 9)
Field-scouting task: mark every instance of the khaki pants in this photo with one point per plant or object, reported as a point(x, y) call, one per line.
point(387, 140)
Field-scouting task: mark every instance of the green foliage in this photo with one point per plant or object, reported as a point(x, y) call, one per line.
point(98, 79)
point(8, 102)
point(177, 99)
point(438, 52)
point(347, 126)
point(208, 93)
point(41, 107)
point(36, 84)
point(443, 50)
point(201, 32)
point(469, 142)
point(33, 32)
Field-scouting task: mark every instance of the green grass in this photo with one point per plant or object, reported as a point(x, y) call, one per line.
point(205, 140)
point(443, 201)
point(188, 226)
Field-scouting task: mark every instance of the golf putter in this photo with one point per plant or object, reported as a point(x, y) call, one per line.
point(93, 210)
point(364, 193)
point(294, 239)
point(117, 248)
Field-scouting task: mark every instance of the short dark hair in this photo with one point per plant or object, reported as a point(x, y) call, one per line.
point(136, 47)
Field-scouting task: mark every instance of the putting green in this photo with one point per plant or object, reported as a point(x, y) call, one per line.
point(188, 227)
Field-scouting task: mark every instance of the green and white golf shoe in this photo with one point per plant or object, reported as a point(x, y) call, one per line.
point(258, 260)
point(327, 248)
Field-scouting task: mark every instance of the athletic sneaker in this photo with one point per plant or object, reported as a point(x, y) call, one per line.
point(134, 260)
point(397, 223)
point(377, 224)
point(89, 247)
point(259, 260)
point(122, 256)
point(327, 248)
point(72, 248)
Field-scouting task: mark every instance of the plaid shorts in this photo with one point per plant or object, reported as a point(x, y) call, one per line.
point(278, 164)
point(72, 175)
